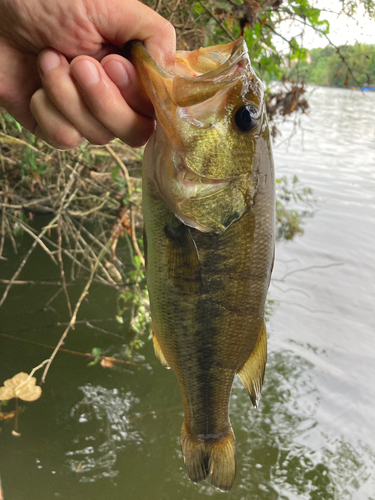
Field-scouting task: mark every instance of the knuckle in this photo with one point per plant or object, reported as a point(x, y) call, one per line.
point(167, 28)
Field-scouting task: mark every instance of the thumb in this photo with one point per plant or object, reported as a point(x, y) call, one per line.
point(132, 20)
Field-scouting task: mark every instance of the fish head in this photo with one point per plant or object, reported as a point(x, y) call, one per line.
point(211, 132)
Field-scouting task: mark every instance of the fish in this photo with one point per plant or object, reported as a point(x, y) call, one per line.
point(209, 236)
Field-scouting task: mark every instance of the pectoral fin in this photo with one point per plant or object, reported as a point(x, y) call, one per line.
point(252, 372)
point(158, 352)
point(182, 259)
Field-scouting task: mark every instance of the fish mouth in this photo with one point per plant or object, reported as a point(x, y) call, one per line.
point(198, 77)
point(195, 105)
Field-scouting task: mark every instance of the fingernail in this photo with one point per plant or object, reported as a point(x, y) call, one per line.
point(86, 73)
point(38, 132)
point(117, 73)
point(48, 60)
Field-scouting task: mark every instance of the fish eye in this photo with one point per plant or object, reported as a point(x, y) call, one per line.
point(245, 119)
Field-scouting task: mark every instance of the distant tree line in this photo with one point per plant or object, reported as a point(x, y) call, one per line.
point(351, 66)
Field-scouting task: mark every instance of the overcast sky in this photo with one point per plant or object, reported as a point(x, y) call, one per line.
point(342, 29)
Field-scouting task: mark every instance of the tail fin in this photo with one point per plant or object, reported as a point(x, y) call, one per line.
point(211, 455)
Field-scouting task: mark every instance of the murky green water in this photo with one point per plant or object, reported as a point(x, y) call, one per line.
point(99, 433)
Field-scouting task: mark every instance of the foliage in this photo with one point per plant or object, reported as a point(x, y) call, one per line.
point(289, 219)
point(326, 66)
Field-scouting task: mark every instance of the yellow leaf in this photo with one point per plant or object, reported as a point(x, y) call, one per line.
point(6, 394)
point(21, 386)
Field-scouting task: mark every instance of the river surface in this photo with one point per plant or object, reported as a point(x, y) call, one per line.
point(98, 433)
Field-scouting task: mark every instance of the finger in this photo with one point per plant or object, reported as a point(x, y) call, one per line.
point(19, 79)
point(124, 76)
point(63, 92)
point(106, 103)
point(139, 22)
point(52, 126)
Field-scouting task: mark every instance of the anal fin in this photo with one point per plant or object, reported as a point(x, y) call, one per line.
point(158, 352)
point(252, 372)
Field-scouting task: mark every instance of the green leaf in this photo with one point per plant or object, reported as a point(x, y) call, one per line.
point(95, 351)
point(115, 172)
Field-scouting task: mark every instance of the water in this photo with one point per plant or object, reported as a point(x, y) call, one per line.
point(99, 433)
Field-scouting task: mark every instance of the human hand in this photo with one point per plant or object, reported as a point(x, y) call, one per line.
point(96, 96)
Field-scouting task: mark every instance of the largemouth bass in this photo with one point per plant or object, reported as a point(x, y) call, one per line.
point(208, 204)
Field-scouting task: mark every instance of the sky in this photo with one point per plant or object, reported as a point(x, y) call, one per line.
point(342, 28)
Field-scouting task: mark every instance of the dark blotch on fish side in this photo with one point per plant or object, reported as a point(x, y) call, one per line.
point(182, 259)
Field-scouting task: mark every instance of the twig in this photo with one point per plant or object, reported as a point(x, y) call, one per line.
point(21, 266)
point(223, 27)
point(122, 165)
point(62, 272)
point(51, 299)
point(74, 316)
point(91, 251)
point(8, 139)
point(67, 351)
point(98, 242)
point(134, 237)
point(35, 236)
point(2, 231)
point(10, 233)
point(44, 230)
point(88, 212)
point(328, 40)
point(29, 282)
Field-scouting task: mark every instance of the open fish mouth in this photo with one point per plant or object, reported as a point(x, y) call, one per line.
point(208, 110)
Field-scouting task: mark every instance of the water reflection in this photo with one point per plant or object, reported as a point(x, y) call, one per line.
point(104, 429)
point(283, 452)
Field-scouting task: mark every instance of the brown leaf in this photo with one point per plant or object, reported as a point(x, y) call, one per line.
point(7, 416)
point(106, 363)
